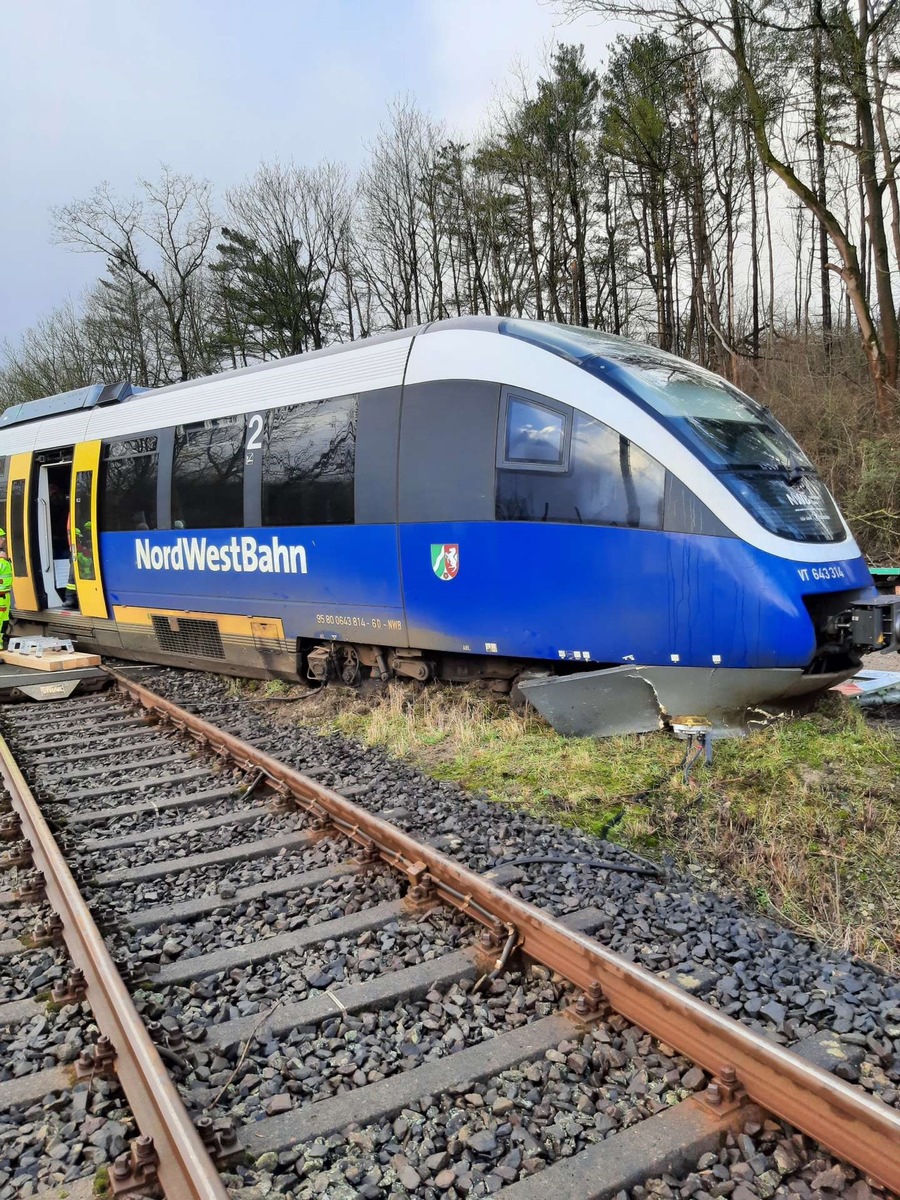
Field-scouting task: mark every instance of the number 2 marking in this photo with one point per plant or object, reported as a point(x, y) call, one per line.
point(255, 432)
point(254, 437)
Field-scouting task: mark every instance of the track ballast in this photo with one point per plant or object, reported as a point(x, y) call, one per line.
point(358, 1013)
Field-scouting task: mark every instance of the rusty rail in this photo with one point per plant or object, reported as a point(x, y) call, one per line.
point(184, 1169)
point(842, 1118)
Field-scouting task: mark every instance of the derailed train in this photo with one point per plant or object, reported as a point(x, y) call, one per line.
point(620, 535)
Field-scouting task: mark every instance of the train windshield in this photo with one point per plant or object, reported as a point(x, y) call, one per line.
point(735, 436)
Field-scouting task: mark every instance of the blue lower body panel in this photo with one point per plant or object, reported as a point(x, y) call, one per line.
point(558, 593)
point(339, 582)
point(577, 593)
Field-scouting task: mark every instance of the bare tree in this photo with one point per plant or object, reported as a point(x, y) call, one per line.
point(405, 259)
point(852, 36)
point(160, 237)
point(293, 226)
point(51, 357)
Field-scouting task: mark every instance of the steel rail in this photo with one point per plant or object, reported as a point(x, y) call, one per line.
point(184, 1169)
point(853, 1126)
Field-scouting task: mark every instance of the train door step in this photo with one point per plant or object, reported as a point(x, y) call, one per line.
point(26, 682)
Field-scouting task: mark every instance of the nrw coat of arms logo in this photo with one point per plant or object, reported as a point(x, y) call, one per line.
point(445, 560)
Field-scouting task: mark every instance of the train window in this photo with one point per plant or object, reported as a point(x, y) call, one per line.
point(799, 508)
point(610, 481)
point(535, 433)
point(736, 437)
point(128, 494)
point(84, 542)
point(208, 475)
point(4, 484)
point(309, 463)
point(17, 521)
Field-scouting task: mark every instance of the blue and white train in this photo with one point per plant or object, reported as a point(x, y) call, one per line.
point(619, 535)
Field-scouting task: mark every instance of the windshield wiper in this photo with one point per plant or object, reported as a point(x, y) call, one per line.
point(793, 471)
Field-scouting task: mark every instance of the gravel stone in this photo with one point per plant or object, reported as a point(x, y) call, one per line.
point(467, 1144)
point(747, 965)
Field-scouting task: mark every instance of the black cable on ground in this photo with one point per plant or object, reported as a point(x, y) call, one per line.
point(600, 864)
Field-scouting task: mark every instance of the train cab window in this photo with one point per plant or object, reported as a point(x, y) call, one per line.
point(128, 491)
point(607, 481)
point(536, 435)
point(208, 475)
point(309, 463)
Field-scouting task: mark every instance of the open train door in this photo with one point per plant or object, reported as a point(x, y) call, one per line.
point(83, 525)
point(50, 486)
point(18, 514)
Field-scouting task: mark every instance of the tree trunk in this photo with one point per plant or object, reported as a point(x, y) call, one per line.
point(883, 371)
point(821, 192)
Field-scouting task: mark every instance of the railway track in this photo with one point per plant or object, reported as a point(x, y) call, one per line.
point(264, 965)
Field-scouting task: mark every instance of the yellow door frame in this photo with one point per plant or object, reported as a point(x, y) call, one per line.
point(83, 509)
point(24, 591)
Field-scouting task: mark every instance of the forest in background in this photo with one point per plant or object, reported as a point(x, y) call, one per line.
point(724, 185)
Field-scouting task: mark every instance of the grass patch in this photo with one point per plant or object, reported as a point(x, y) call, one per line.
point(801, 817)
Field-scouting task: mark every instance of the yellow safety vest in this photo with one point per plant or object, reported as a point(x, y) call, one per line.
point(6, 579)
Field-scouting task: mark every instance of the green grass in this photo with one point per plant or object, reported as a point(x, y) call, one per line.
point(801, 818)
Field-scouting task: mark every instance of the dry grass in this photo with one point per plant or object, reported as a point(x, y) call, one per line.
point(802, 818)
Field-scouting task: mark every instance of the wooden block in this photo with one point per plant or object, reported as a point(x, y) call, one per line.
point(51, 660)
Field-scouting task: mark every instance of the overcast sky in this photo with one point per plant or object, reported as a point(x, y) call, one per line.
point(110, 89)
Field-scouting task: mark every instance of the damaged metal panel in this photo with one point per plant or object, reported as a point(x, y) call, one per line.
point(633, 699)
point(595, 703)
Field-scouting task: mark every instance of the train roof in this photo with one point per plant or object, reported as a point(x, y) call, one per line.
point(557, 338)
point(97, 412)
point(90, 413)
point(485, 323)
point(91, 396)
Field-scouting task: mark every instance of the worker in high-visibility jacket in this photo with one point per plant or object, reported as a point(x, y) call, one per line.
point(6, 579)
point(84, 558)
point(71, 600)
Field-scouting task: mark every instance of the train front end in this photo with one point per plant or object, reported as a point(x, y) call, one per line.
point(758, 591)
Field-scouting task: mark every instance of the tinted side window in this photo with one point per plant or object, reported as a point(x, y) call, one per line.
point(17, 515)
point(309, 461)
point(685, 513)
point(4, 485)
point(534, 433)
point(610, 481)
point(208, 475)
point(84, 542)
point(448, 450)
point(128, 492)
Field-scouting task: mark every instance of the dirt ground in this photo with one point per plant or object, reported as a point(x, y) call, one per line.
point(880, 661)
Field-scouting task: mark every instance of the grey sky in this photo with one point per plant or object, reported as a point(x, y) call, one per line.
point(110, 89)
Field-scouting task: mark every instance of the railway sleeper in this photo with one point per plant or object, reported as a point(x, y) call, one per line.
point(601, 1170)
